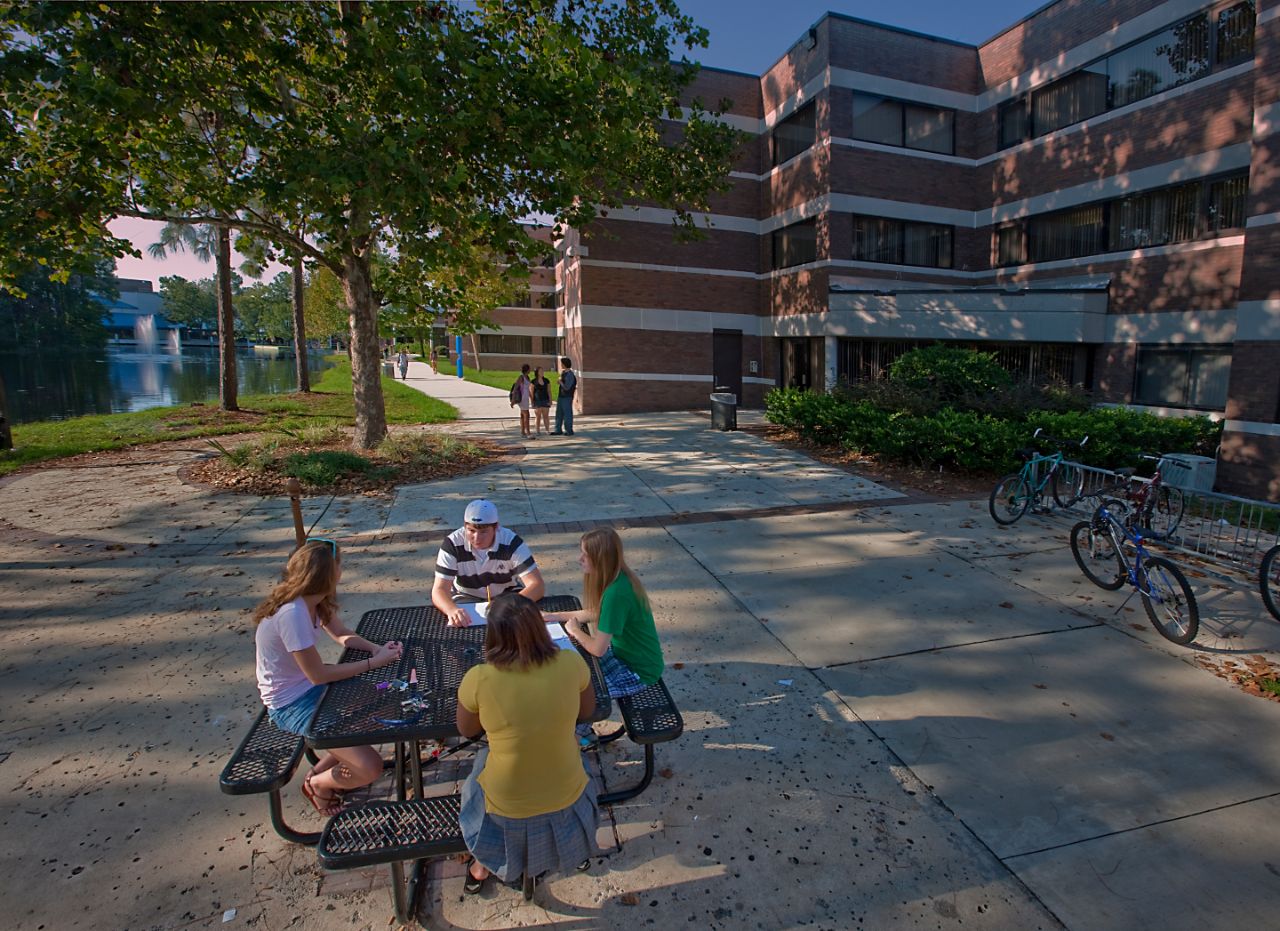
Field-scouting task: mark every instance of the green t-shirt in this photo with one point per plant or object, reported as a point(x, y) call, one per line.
point(635, 638)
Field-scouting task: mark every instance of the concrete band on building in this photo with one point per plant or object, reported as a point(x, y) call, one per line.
point(1092, 194)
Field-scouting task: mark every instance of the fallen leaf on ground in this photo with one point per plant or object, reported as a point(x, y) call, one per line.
point(1006, 604)
point(628, 898)
point(666, 773)
point(1105, 736)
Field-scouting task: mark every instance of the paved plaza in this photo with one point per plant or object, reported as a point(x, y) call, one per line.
point(896, 713)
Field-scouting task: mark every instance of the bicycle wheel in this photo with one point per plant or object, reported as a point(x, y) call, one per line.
point(1163, 512)
point(1010, 498)
point(1170, 603)
point(1068, 483)
point(1096, 555)
point(1270, 581)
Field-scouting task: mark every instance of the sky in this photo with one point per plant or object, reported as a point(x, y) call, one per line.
point(746, 35)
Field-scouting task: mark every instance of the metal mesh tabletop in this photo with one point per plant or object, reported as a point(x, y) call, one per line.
point(355, 712)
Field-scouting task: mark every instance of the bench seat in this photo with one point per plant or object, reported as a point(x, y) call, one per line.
point(648, 717)
point(386, 831)
point(265, 761)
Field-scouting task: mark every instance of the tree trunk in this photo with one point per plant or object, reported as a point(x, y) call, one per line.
point(226, 324)
point(300, 329)
point(6, 437)
point(366, 355)
point(475, 353)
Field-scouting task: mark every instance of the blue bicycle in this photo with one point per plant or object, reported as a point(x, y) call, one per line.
point(1098, 546)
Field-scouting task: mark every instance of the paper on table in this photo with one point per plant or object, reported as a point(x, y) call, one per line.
point(478, 613)
point(558, 636)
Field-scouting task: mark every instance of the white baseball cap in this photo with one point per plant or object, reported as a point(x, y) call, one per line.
point(481, 511)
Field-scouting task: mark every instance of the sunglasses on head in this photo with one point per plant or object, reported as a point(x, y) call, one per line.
point(333, 545)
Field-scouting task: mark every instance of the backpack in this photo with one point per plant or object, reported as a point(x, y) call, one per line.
point(514, 393)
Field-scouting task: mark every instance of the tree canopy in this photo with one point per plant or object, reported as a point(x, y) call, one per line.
point(426, 130)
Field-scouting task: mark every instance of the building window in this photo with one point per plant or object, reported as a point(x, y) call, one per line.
point(898, 242)
point(796, 134)
point(1155, 218)
point(1235, 33)
point(796, 244)
point(1189, 377)
point(1066, 235)
point(1152, 218)
point(899, 123)
point(1164, 60)
point(547, 300)
point(1011, 245)
point(863, 360)
point(504, 344)
point(1227, 203)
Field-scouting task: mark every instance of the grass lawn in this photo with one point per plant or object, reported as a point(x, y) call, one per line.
point(504, 380)
point(329, 401)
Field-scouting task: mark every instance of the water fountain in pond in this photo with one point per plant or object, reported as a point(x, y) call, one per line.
point(175, 341)
point(144, 333)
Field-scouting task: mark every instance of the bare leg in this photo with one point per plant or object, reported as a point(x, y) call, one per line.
point(354, 767)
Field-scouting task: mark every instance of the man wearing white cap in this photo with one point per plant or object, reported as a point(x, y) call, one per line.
point(480, 561)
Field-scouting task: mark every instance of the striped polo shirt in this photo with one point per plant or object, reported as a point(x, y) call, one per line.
point(484, 575)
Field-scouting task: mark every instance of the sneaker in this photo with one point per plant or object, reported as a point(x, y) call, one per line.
point(556, 433)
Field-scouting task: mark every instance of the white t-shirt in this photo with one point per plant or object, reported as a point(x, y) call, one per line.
point(280, 678)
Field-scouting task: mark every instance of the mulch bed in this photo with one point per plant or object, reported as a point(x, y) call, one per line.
point(221, 474)
point(950, 486)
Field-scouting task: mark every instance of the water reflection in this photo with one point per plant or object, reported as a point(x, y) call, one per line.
point(57, 385)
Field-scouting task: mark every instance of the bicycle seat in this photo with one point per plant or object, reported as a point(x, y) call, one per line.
point(1024, 454)
point(1124, 473)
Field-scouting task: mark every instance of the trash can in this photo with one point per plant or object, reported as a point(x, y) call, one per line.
point(389, 369)
point(724, 411)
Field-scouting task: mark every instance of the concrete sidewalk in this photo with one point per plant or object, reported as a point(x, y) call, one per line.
point(896, 712)
point(473, 401)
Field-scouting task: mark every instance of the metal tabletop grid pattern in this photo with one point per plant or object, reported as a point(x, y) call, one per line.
point(356, 712)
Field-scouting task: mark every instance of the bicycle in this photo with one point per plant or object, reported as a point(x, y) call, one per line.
point(1157, 507)
point(1015, 492)
point(1166, 594)
point(1269, 580)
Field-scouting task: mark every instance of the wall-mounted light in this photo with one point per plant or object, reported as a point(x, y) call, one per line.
point(811, 40)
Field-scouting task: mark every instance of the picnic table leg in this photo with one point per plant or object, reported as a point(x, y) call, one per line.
point(612, 798)
point(288, 833)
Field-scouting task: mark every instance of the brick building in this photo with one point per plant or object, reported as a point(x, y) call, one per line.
point(1094, 194)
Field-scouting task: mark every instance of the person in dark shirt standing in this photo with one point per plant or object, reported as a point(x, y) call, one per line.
point(564, 402)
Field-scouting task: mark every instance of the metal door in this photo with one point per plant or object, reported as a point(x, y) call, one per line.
point(726, 361)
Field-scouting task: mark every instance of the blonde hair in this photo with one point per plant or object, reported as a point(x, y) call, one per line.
point(311, 570)
point(603, 547)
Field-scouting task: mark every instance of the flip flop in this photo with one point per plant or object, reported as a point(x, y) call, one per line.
point(471, 885)
point(327, 807)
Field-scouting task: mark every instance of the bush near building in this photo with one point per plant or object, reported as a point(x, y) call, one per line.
point(949, 407)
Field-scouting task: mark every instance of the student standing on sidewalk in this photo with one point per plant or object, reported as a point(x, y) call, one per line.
point(564, 402)
point(403, 359)
point(541, 401)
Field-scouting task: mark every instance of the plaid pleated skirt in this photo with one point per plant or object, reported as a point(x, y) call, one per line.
point(511, 847)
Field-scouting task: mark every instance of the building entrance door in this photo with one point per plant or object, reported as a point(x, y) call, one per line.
point(726, 361)
point(796, 371)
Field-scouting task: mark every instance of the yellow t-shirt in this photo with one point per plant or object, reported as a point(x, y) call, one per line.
point(534, 764)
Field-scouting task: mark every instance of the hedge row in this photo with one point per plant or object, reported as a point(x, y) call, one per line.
point(978, 442)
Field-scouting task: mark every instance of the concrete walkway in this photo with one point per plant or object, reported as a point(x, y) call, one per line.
point(897, 714)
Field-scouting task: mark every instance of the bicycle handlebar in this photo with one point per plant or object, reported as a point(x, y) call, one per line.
point(1054, 441)
point(1163, 461)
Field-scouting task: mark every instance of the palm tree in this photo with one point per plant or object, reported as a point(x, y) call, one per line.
point(209, 242)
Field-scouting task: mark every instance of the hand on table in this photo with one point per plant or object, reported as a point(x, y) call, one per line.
point(458, 618)
point(386, 654)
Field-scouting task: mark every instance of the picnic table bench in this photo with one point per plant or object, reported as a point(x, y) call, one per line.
point(265, 761)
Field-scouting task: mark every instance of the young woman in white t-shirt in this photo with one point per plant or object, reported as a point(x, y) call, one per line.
point(292, 676)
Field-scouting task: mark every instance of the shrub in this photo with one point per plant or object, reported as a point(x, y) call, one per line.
point(952, 372)
point(324, 467)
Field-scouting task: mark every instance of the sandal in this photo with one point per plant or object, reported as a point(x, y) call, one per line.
point(471, 885)
point(328, 807)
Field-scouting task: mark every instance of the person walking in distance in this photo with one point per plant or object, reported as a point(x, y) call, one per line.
point(403, 359)
point(522, 394)
point(564, 402)
point(434, 361)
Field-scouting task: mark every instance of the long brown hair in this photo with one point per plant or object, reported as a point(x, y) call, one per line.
point(516, 634)
point(603, 547)
point(311, 570)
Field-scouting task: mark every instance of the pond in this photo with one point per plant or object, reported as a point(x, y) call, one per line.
point(51, 385)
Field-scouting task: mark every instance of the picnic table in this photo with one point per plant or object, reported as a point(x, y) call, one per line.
point(356, 712)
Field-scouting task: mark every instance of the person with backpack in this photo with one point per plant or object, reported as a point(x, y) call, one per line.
point(564, 401)
point(522, 394)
